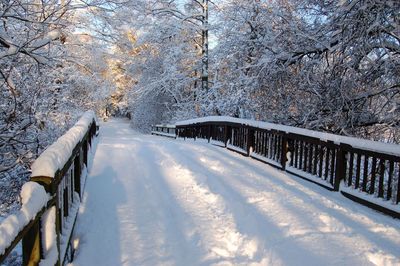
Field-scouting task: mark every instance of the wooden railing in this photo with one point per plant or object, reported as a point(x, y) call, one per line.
point(61, 171)
point(163, 130)
point(365, 171)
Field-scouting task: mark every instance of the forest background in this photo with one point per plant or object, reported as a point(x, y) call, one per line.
point(331, 66)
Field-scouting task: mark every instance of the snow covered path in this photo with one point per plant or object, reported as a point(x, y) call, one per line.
point(157, 201)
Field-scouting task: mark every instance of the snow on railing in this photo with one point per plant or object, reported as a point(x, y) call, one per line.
point(363, 170)
point(51, 199)
point(34, 199)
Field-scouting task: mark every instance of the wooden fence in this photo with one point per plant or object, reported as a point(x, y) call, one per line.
point(163, 130)
point(65, 189)
point(361, 174)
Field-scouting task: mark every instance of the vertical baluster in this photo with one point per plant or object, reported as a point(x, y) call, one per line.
point(321, 160)
point(279, 155)
point(271, 145)
point(390, 179)
point(291, 150)
point(315, 159)
point(305, 156)
point(284, 150)
point(77, 172)
point(398, 183)
point(373, 176)
point(365, 173)
point(296, 152)
point(60, 206)
point(381, 178)
point(263, 143)
point(350, 175)
point(277, 148)
point(276, 153)
point(333, 165)
point(327, 150)
point(310, 157)
point(300, 154)
point(358, 172)
point(65, 199)
point(71, 188)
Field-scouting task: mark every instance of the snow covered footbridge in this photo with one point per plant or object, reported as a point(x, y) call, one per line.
point(153, 200)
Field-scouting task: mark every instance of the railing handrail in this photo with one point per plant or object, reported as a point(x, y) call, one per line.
point(58, 172)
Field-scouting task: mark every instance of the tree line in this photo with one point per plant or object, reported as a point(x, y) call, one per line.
point(331, 66)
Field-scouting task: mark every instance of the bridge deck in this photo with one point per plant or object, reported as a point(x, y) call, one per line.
point(155, 201)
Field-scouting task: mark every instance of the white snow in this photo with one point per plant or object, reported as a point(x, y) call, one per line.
point(355, 142)
point(10, 51)
point(57, 154)
point(265, 159)
point(33, 199)
point(232, 147)
point(163, 134)
point(167, 126)
point(309, 176)
point(151, 200)
point(68, 225)
point(370, 198)
point(217, 142)
point(49, 238)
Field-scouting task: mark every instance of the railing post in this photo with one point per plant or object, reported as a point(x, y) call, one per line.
point(250, 140)
point(50, 187)
point(31, 245)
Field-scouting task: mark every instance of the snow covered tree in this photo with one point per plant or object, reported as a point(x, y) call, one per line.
point(330, 66)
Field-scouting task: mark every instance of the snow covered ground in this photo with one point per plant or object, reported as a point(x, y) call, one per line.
point(152, 200)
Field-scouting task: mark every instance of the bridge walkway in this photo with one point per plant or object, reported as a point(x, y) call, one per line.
point(156, 201)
